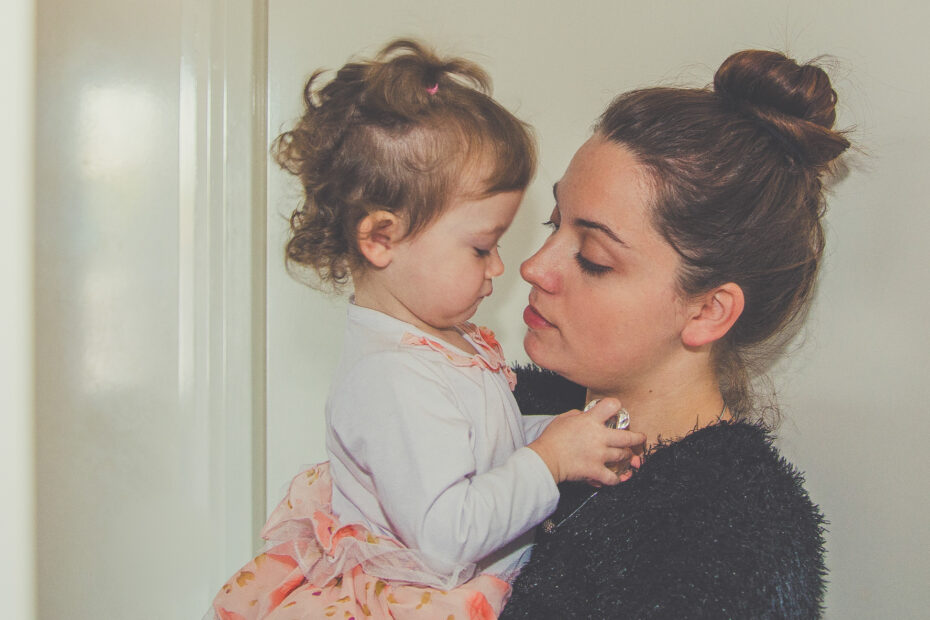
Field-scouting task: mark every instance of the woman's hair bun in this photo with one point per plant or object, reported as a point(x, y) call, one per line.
point(794, 102)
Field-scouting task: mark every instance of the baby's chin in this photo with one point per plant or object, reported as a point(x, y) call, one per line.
point(470, 312)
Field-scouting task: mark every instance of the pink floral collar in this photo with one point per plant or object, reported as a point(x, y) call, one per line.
point(493, 358)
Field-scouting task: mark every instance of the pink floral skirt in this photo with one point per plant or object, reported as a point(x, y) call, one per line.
point(313, 567)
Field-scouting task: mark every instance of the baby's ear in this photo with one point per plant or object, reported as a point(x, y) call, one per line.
point(376, 235)
point(711, 315)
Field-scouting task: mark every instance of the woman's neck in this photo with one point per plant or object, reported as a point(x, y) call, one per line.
point(666, 413)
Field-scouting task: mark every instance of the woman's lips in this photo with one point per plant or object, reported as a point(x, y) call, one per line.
point(535, 320)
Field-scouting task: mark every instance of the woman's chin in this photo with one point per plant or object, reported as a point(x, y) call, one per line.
point(550, 357)
point(535, 349)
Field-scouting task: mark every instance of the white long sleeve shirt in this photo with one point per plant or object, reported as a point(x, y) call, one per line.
point(433, 454)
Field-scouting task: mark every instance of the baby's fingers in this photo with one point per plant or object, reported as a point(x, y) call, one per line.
point(617, 438)
point(617, 455)
point(606, 477)
point(603, 409)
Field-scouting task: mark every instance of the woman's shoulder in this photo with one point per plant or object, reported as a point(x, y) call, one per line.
point(716, 524)
point(727, 503)
point(736, 470)
point(727, 447)
point(736, 466)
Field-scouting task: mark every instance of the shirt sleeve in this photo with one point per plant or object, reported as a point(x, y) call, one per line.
point(534, 425)
point(403, 425)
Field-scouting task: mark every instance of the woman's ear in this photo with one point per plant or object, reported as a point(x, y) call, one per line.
point(711, 315)
point(376, 235)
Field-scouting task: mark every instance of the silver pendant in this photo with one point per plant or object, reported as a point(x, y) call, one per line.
point(620, 420)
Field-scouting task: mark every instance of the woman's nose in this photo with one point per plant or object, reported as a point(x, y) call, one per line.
point(538, 269)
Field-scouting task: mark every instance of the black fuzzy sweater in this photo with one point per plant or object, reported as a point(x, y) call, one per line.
point(714, 525)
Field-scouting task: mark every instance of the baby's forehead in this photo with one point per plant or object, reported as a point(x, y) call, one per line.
point(488, 218)
point(476, 223)
point(488, 231)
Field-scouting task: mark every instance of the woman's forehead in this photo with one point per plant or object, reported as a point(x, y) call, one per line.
point(604, 184)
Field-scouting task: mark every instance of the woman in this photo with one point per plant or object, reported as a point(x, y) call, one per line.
point(686, 237)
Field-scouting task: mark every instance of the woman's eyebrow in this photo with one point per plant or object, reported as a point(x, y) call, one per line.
point(598, 226)
point(589, 223)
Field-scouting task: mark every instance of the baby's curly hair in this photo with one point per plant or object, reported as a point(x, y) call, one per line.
point(403, 132)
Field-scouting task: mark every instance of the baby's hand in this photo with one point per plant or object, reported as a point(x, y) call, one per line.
point(577, 446)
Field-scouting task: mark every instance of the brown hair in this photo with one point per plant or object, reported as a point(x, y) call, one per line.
point(396, 133)
point(736, 173)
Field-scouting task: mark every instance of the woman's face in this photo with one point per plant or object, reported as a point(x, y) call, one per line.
point(604, 310)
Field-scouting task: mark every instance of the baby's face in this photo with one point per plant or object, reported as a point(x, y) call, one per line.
point(443, 273)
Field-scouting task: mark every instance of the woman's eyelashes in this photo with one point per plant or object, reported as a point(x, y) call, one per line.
point(586, 266)
point(590, 268)
point(554, 221)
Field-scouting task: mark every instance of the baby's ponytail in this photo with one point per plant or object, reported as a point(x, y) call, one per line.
point(410, 80)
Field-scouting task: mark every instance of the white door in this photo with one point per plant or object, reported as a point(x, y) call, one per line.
point(149, 298)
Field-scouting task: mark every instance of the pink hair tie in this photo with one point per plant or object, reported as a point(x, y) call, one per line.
point(433, 89)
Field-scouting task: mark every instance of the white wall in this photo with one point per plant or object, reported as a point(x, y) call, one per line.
point(17, 472)
point(148, 373)
point(854, 397)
